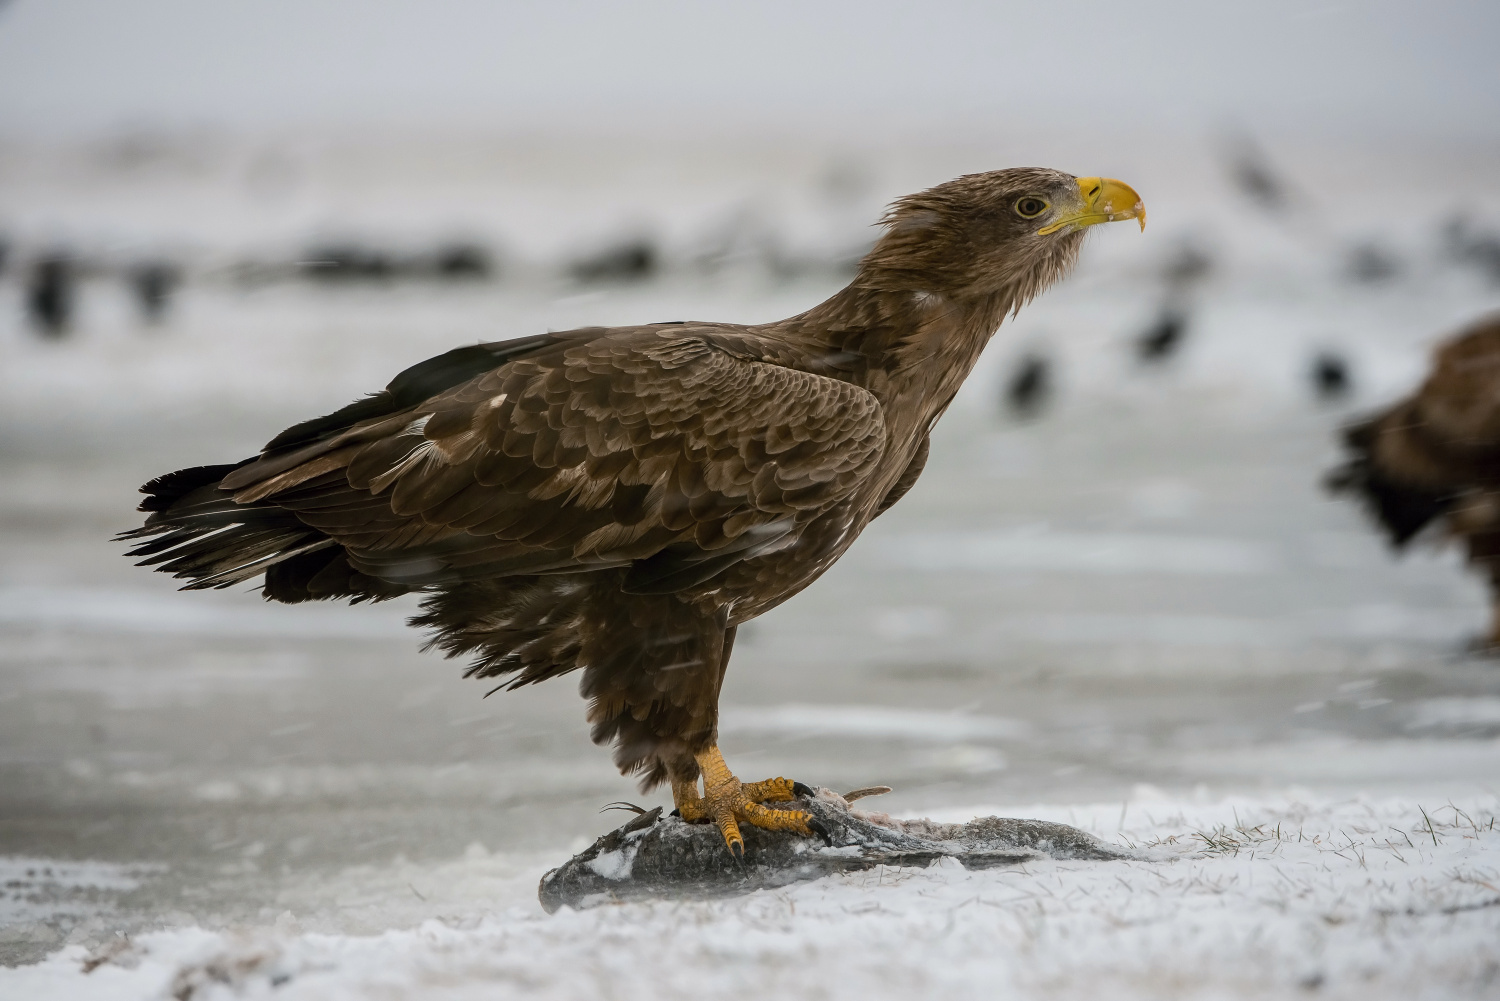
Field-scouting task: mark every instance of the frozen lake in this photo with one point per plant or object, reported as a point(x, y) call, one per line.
point(1140, 597)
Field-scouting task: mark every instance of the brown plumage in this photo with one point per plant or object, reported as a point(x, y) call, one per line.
point(618, 500)
point(1435, 456)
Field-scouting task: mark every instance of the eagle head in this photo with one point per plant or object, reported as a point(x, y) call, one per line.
point(1007, 232)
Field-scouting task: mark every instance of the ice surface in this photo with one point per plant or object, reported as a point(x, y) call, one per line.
point(125, 611)
point(869, 721)
point(1454, 713)
point(1037, 548)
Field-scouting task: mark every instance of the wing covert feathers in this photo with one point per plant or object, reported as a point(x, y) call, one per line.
point(593, 454)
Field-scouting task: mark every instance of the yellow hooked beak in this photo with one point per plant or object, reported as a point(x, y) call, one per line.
point(1104, 200)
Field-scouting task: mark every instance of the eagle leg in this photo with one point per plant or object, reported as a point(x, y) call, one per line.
point(690, 805)
point(727, 800)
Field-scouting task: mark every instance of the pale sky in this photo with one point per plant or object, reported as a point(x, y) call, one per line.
point(81, 66)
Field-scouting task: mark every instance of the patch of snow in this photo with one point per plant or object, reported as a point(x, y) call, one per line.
point(32, 887)
point(1269, 898)
point(614, 865)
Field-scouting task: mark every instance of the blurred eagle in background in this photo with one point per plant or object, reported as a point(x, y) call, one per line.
point(618, 500)
point(1435, 456)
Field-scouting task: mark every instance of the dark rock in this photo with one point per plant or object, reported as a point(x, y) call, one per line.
point(655, 857)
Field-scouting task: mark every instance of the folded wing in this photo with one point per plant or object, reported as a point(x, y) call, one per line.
point(665, 449)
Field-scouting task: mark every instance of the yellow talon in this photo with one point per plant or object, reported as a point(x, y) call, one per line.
point(730, 832)
point(727, 800)
point(770, 789)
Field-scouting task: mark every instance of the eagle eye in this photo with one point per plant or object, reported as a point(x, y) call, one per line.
point(1030, 207)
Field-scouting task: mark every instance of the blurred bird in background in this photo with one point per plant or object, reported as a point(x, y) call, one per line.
point(1434, 457)
point(1467, 245)
point(633, 260)
point(1330, 375)
point(153, 283)
point(1183, 273)
point(1160, 341)
point(50, 295)
point(1029, 387)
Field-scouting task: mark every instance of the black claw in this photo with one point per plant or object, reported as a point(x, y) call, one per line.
point(675, 813)
point(816, 826)
point(800, 789)
point(737, 850)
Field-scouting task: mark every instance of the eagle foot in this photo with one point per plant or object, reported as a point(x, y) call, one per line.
point(727, 801)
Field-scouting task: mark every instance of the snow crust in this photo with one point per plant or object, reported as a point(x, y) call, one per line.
point(1276, 897)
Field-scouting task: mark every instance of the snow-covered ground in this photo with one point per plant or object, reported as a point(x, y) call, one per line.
point(1269, 898)
point(1142, 599)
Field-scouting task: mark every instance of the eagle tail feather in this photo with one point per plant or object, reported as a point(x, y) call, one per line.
point(198, 533)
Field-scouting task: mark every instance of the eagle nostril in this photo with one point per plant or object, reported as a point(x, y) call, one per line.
point(1094, 191)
